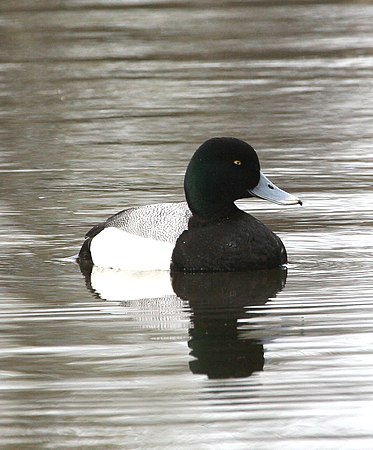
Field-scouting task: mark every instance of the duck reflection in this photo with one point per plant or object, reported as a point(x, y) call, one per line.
point(218, 304)
point(218, 301)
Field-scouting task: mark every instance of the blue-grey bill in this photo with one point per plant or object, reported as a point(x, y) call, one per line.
point(266, 190)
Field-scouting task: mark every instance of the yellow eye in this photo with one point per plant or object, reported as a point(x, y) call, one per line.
point(237, 162)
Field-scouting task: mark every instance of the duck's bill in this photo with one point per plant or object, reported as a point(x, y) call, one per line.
point(266, 190)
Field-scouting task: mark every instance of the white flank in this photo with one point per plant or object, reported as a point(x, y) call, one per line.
point(117, 249)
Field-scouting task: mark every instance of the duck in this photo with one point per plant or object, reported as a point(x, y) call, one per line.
point(206, 233)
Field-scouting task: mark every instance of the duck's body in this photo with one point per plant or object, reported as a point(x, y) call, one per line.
point(206, 233)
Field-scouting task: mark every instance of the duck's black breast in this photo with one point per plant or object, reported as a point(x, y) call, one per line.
point(231, 244)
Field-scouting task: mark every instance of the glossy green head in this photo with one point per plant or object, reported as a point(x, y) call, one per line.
point(221, 171)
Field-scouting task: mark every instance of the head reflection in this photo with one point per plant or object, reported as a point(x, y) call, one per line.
point(218, 301)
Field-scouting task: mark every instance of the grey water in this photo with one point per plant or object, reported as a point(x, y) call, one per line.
point(102, 104)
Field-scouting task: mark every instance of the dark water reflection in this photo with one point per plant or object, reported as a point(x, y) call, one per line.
point(101, 105)
point(217, 303)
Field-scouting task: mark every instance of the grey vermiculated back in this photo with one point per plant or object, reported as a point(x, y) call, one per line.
point(163, 221)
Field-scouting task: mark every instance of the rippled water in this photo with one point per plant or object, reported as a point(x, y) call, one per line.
point(102, 104)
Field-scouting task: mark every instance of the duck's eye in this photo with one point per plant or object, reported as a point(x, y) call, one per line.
point(237, 162)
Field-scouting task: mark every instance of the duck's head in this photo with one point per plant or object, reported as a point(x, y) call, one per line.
point(223, 170)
